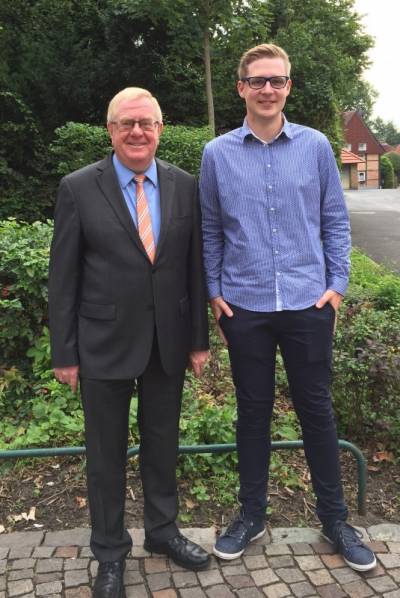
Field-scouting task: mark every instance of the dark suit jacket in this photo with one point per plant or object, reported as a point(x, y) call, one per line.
point(105, 296)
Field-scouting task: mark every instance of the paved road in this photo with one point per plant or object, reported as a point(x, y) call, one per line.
point(375, 223)
point(285, 562)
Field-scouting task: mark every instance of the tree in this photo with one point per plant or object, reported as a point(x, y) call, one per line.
point(22, 162)
point(360, 96)
point(385, 131)
point(328, 50)
point(205, 39)
point(66, 59)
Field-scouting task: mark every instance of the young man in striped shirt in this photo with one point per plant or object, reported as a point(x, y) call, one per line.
point(276, 249)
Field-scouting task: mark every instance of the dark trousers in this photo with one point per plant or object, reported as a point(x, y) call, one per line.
point(305, 341)
point(106, 408)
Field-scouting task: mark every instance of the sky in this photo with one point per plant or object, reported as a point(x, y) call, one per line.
point(382, 21)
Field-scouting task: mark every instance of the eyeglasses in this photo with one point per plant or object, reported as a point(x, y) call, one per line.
point(277, 82)
point(127, 124)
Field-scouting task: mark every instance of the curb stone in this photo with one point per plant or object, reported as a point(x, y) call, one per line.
point(284, 562)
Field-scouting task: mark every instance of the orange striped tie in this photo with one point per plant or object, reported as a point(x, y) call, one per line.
point(143, 218)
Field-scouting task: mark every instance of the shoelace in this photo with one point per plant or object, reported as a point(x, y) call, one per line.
point(237, 528)
point(349, 535)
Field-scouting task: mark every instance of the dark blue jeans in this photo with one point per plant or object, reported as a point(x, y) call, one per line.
point(304, 338)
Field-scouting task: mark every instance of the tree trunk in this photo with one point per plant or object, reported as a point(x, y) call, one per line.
point(207, 66)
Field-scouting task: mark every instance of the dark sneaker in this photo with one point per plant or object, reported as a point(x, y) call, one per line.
point(231, 544)
point(348, 542)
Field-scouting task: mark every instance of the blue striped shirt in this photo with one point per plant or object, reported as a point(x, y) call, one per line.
point(275, 224)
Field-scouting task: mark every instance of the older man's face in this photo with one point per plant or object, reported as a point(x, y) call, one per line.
point(135, 147)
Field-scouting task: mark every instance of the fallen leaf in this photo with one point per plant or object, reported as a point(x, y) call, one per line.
point(189, 504)
point(2, 529)
point(49, 483)
point(81, 501)
point(38, 481)
point(38, 525)
point(373, 468)
point(32, 514)
point(383, 456)
point(18, 517)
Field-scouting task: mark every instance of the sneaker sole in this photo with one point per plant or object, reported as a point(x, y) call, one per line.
point(229, 556)
point(354, 566)
point(358, 567)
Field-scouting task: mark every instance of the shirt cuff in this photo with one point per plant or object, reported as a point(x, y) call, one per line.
point(338, 284)
point(214, 290)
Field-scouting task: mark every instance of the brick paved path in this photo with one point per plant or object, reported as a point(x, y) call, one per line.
point(288, 562)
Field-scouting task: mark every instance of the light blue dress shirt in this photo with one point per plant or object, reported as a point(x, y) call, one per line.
point(274, 219)
point(151, 189)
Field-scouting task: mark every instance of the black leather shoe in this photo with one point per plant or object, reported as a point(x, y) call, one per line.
point(182, 551)
point(110, 580)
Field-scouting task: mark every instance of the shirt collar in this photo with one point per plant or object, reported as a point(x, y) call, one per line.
point(245, 132)
point(125, 174)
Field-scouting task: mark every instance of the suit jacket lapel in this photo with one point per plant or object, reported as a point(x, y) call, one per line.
point(109, 185)
point(166, 182)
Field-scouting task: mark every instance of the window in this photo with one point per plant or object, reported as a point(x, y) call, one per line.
point(361, 176)
point(348, 147)
point(362, 147)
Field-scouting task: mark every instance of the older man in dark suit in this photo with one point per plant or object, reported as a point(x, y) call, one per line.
point(128, 305)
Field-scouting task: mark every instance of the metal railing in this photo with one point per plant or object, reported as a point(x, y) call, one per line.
point(207, 448)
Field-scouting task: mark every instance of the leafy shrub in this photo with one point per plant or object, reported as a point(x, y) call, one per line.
point(366, 386)
point(183, 146)
point(387, 172)
point(371, 282)
point(366, 382)
point(47, 414)
point(394, 157)
point(77, 145)
point(24, 255)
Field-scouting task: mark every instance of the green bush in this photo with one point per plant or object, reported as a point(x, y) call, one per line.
point(76, 145)
point(371, 282)
point(394, 157)
point(183, 146)
point(24, 256)
point(387, 173)
point(366, 382)
point(35, 409)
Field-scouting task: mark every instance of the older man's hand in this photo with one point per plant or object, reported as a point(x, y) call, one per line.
point(198, 360)
point(68, 375)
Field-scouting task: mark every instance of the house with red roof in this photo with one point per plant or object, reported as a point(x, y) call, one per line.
point(361, 142)
point(350, 165)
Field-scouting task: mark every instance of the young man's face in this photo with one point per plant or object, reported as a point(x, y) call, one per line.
point(266, 104)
